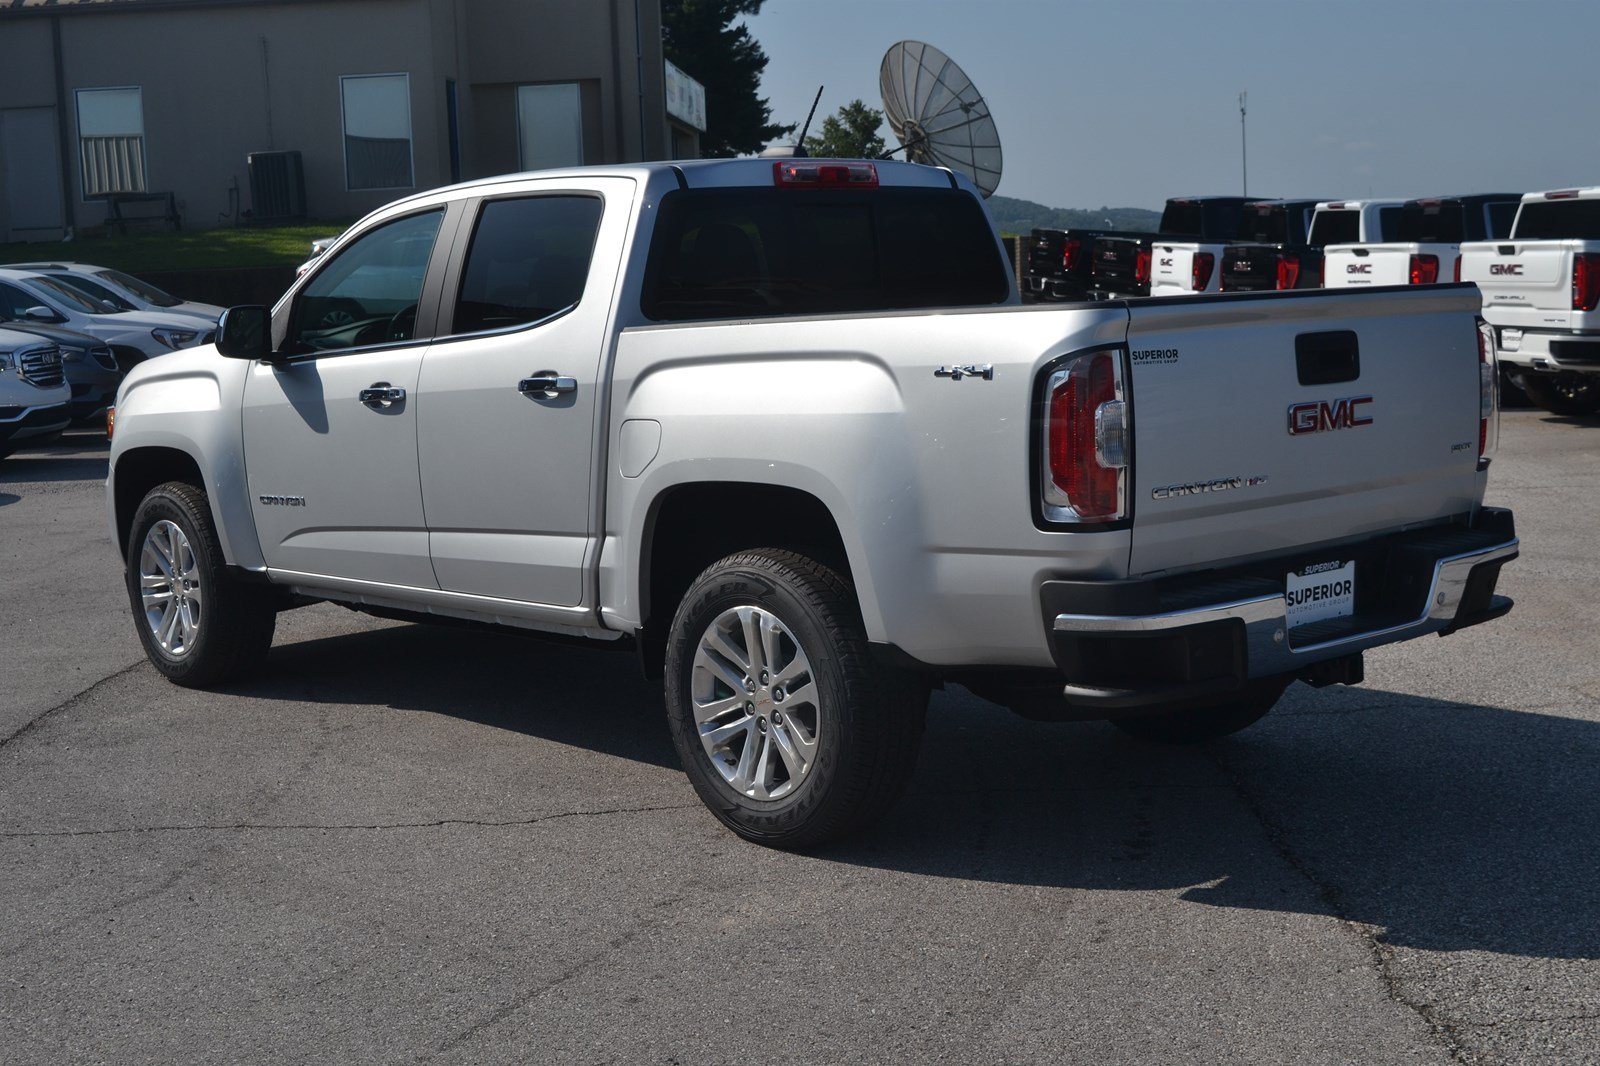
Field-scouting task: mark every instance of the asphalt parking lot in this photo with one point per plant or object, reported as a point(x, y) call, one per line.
point(408, 842)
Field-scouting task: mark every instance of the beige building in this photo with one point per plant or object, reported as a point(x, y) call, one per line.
point(115, 104)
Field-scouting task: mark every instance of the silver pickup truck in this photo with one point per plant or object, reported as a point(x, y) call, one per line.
point(783, 429)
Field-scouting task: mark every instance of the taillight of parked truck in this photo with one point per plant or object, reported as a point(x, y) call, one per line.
point(1424, 269)
point(1141, 267)
point(1070, 249)
point(1458, 268)
point(1585, 281)
point(1288, 271)
point(1488, 394)
point(1085, 440)
point(1200, 272)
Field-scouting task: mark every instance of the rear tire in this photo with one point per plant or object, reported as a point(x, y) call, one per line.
point(1200, 724)
point(804, 737)
point(199, 624)
point(1565, 393)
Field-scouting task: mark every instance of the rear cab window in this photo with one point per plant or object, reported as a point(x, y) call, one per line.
point(1558, 220)
point(1335, 227)
point(766, 252)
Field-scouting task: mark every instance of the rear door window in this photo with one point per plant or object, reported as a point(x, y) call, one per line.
point(529, 259)
point(761, 252)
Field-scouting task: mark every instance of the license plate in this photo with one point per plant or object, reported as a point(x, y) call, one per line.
point(1326, 590)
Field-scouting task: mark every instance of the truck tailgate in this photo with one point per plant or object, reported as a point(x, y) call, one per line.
point(1530, 279)
point(1383, 443)
point(1363, 266)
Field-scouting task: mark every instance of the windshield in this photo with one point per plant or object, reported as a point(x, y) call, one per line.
point(142, 289)
point(73, 298)
point(95, 291)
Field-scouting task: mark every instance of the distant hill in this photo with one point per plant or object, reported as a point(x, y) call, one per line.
point(1020, 216)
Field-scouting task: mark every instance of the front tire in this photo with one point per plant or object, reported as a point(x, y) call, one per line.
point(199, 624)
point(1200, 724)
point(1566, 393)
point(788, 729)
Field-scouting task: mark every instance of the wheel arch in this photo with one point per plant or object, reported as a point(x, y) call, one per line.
point(678, 543)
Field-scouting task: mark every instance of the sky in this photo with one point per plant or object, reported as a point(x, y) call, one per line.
point(1123, 103)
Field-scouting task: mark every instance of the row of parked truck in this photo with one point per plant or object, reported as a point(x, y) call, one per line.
point(1535, 258)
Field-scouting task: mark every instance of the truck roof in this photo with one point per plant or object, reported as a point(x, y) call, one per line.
point(722, 173)
point(1355, 205)
point(1590, 193)
point(1467, 198)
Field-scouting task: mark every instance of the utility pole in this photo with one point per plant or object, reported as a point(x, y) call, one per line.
point(1244, 155)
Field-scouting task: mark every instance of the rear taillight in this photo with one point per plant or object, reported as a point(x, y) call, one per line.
point(1141, 267)
point(1424, 269)
point(1200, 273)
point(1085, 440)
point(1458, 267)
point(1488, 394)
point(111, 422)
point(1288, 271)
point(1070, 249)
point(824, 174)
point(1585, 281)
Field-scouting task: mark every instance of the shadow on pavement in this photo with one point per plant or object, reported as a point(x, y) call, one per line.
point(8, 497)
point(587, 697)
point(1451, 826)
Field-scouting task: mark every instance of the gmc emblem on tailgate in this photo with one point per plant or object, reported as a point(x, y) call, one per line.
point(1513, 269)
point(1358, 268)
point(1319, 416)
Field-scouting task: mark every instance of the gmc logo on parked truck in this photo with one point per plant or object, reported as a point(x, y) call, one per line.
point(1358, 268)
point(1319, 416)
point(1503, 269)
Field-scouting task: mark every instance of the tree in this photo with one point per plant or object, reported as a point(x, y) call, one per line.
point(699, 37)
point(851, 134)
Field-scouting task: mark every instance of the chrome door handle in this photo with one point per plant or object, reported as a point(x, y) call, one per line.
point(547, 383)
point(382, 395)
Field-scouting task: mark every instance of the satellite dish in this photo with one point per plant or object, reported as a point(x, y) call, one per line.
point(938, 114)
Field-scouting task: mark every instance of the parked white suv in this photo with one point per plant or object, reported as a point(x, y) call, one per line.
point(26, 295)
point(135, 294)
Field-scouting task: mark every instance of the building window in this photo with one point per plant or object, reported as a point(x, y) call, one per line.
point(111, 140)
point(549, 126)
point(377, 131)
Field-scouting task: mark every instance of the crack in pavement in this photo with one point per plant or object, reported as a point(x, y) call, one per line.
point(1443, 1032)
point(70, 701)
point(485, 823)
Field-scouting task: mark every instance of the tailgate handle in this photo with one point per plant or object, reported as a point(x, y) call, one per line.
point(1505, 249)
point(1327, 358)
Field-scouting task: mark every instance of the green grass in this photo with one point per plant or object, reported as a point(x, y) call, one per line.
point(153, 252)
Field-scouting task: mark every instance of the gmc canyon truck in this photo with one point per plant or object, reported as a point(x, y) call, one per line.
point(1424, 245)
point(782, 429)
point(1541, 292)
point(1130, 264)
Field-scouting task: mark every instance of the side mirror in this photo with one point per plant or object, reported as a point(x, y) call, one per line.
point(41, 314)
point(245, 332)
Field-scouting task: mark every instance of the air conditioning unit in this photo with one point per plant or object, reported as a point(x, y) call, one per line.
point(277, 185)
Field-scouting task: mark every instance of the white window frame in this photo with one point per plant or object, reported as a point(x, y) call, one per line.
point(522, 164)
point(411, 132)
point(84, 195)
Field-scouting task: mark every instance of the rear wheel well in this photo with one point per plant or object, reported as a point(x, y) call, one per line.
point(695, 525)
point(142, 469)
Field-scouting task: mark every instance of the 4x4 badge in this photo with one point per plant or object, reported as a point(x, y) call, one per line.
point(956, 373)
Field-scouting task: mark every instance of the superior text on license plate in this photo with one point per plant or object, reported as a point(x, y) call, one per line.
point(1326, 590)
